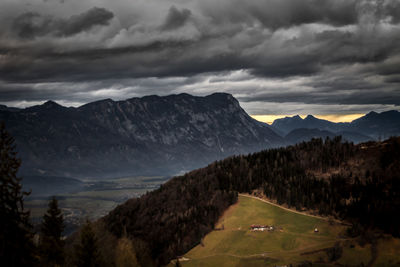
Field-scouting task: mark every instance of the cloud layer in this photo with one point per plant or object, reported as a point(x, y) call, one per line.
point(30, 25)
point(316, 55)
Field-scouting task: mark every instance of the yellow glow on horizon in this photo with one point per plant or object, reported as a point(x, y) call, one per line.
point(269, 118)
point(330, 117)
point(340, 117)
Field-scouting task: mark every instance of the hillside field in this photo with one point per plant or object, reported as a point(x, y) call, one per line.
point(292, 241)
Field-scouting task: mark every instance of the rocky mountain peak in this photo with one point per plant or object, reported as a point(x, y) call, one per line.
point(51, 104)
point(310, 117)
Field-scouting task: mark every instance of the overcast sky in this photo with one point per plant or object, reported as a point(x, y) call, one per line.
point(274, 56)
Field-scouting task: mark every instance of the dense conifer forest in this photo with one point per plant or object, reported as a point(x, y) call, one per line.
point(359, 183)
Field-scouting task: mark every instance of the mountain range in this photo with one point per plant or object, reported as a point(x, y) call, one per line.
point(156, 135)
point(151, 135)
point(371, 126)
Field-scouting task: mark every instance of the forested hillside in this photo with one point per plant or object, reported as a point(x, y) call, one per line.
point(359, 183)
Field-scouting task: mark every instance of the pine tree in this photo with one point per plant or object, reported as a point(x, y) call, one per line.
point(51, 243)
point(16, 246)
point(86, 252)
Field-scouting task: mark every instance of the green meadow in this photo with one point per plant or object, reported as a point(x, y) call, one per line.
point(292, 241)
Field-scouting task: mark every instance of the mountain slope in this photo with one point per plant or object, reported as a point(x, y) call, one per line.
point(304, 134)
point(378, 125)
point(149, 135)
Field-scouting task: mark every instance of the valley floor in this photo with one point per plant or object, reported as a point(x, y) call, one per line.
point(293, 240)
point(91, 201)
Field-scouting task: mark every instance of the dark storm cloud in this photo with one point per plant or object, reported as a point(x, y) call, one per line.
point(176, 18)
point(165, 58)
point(277, 14)
point(343, 86)
point(363, 98)
point(88, 65)
point(238, 48)
point(24, 92)
point(393, 79)
point(389, 67)
point(31, 24)
point(393, 11)
point(323, 51)
point(359, 96)
point(85, 21)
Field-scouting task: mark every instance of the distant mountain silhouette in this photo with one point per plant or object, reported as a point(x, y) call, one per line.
point(373, 125)
point(288, 124)
point(5, 108)
point(378, 125)
point(151, 135)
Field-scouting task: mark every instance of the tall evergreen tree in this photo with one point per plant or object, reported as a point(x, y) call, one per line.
point(51, 243)
point(16, 245)
point(86, 252)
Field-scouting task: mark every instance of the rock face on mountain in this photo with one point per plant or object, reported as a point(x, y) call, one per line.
point(140, 136)
point(373, 126)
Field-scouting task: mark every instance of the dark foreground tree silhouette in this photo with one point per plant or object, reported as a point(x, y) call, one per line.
point(51, 242)
point(16, 245)
point(86, 252)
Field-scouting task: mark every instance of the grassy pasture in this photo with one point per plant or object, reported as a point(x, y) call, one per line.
point(293, 240)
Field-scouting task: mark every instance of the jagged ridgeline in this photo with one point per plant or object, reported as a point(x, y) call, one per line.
point(151, 135)
point(359, 183)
